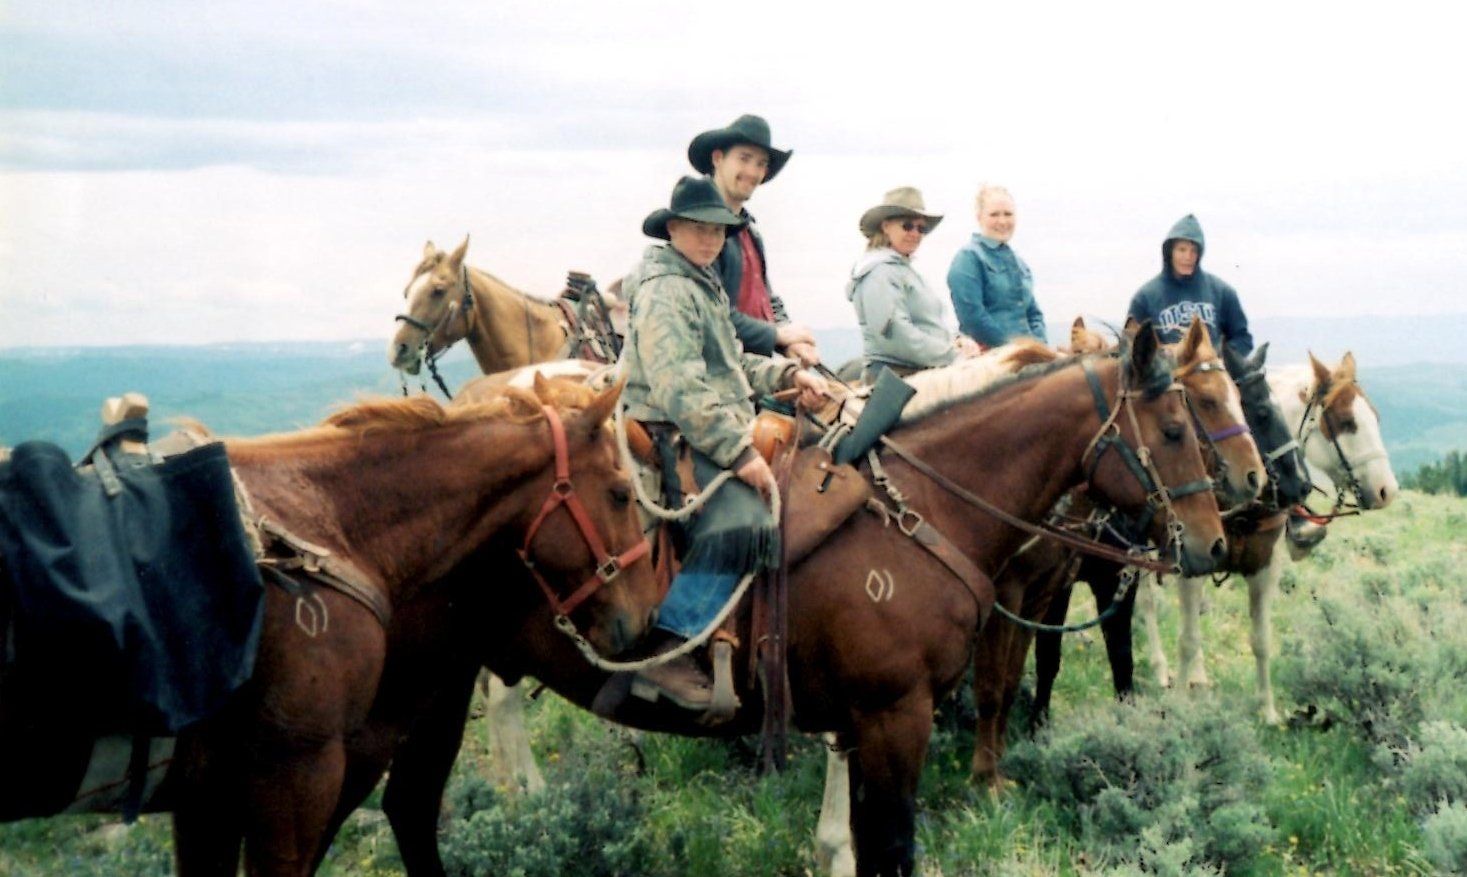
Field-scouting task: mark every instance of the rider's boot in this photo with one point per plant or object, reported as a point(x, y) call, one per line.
point(681, 681)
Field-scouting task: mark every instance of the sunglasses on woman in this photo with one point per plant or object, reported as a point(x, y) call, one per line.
point(913, 225)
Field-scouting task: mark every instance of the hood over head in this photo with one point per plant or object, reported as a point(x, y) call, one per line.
point(1185, 229)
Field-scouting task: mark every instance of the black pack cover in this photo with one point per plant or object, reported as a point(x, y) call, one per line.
point(137, 613)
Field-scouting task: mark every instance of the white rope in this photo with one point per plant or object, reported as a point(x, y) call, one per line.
point(565, 625)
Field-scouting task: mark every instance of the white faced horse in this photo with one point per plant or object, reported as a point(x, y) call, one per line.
point(1338, 431)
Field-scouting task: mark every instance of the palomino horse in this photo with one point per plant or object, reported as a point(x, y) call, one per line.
point(1251, 539)
point(1338, 431)
point(400, 492)
point(448, 300)
point(880, 628)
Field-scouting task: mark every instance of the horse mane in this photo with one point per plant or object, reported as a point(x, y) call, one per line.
point(509, 405)
point(940, 388)
point(512, 290)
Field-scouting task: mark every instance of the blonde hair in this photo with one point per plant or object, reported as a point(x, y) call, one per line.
point(877, 240)
point(989, 190)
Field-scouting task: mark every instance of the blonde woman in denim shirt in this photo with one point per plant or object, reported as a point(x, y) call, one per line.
point(992, 288)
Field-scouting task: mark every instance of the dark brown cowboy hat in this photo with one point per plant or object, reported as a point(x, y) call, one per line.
point(693, 198)
point(752, 130)
point(902, 201)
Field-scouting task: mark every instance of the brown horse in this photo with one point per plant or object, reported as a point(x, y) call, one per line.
point(1035, 576)
point(880, 629)
point(448, 301)
point(401, 492)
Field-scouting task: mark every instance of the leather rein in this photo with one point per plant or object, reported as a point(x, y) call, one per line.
point(465, 310)
point(1158, 495)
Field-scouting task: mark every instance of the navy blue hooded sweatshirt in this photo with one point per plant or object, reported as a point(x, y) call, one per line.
point(1170, 302)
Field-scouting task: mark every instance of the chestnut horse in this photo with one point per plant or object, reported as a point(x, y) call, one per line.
point(401, 492)
point(880, 629)
point(1338, 431)
point(449, 301)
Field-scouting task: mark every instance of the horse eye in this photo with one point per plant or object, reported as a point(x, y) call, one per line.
point(438, 291)
point(621, 495)
point(1209, 405)
point(1173, 432)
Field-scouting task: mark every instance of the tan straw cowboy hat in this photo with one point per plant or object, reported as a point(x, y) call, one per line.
point(901, 201)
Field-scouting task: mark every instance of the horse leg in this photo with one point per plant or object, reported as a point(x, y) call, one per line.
point(1262, 586)
point(890, 748)
point(512, 761)
point(1192, 670)
point(290, 797)
point(420, 768)
point(1146, 602)
point(988, 663)
point(1048, 655)
point(207, 814)
point(833, 852)
point(1116, 630)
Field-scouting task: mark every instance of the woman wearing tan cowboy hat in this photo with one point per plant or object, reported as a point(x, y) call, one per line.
point(901, 319)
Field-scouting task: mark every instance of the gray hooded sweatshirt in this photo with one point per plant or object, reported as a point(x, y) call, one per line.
point(901, 319)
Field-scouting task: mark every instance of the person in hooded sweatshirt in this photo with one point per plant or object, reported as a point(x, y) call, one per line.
point(901, 319)
point(1183, 290)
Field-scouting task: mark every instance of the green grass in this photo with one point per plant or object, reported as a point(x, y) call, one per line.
point(696, 807)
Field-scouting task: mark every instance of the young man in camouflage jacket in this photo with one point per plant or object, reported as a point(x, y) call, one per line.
point(684, 366)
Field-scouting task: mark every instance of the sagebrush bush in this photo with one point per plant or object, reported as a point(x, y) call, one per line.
point(1188, 775)
point(1431, 768)
point(1444, 838)
point(1362, 665)
point(587, 821)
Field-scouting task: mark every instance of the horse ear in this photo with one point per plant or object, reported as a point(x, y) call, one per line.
point(1256, 358)
point(1143, 350)
point(457, 258)
point(1192, 341)
point(1131, 327)
point(1321, 374)
point(542, 388)
point(1079, 323)
point(429, 250)
point(1346, 372)
point(604, 404)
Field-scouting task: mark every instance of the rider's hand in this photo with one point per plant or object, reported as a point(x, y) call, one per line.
point(805, 353)
point(757, 474)
point(792, 333)
point(813, 389)
point(967, 347)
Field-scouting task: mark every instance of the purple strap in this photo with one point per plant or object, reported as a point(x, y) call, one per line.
point(1235, 429)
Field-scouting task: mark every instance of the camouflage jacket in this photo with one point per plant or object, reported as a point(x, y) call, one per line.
point(682, 361)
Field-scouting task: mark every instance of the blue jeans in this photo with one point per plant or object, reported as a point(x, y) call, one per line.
point(692, 601)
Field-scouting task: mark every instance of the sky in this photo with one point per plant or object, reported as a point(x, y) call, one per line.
point(184, 172)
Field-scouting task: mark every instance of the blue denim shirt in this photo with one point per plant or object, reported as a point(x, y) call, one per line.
point(993, 293)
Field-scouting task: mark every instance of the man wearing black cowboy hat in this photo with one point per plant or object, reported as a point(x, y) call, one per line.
point(738, 159)
point(684, 368)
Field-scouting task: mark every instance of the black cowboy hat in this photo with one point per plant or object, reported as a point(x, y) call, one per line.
point(752, 130)
point(693, 198)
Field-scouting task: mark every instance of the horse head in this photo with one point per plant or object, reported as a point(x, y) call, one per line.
point(1158, 470)
point(436, 314)
point(1221, 422)
point(1345, 428)
point(1281, 455)
point(1086, 340)
point(587, 533)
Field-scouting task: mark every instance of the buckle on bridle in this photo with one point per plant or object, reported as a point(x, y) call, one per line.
point(608, 570)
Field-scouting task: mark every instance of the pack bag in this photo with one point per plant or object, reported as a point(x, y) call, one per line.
point(129, 594)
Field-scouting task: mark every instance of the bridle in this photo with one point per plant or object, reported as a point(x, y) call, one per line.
point(1308, 425)
point(563, 493)
point(465, 310)
point(1159, 496)
point(1210, 439)
point(1270, 456)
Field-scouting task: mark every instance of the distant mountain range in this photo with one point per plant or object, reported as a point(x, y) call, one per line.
point(1412, 368)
